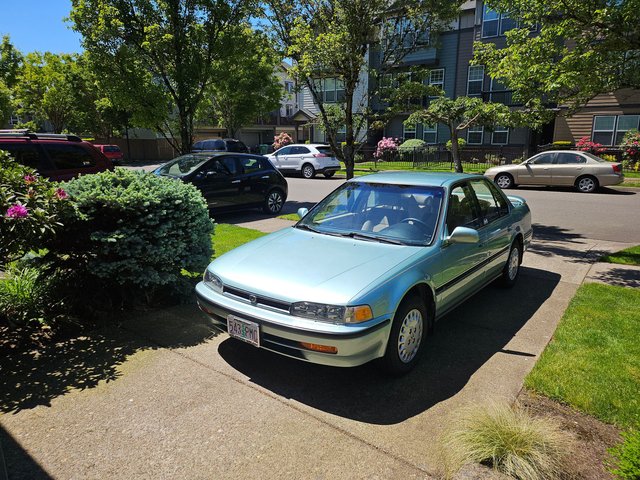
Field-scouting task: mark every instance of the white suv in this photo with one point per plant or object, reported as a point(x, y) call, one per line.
point(307, 159)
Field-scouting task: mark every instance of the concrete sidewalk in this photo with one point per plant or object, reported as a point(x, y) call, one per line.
point(167, 397)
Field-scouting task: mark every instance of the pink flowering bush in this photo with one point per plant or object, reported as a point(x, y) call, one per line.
point(586, 145)
point(631, 148)
point(386, 148)
point(282, 140)
point(30, 209)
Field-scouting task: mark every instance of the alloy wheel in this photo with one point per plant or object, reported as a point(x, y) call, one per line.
point(410, 335)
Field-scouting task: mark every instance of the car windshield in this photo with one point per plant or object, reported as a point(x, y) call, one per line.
point(111, 148)
point(398, 214)
point(181, 166)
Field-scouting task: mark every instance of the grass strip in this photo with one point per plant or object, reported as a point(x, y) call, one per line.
point(593, 360)
point(628, 256)
point(227, 237)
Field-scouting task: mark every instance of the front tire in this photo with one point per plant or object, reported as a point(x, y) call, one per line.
point(511, 270)
point(329, 174)
point(274, 202)
point(308, 171)
point(587, 184)
point(504, 180)
point(407, 337)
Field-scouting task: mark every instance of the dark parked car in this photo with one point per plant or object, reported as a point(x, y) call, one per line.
point(231, 181)
point(58, 157)
point(220, 145)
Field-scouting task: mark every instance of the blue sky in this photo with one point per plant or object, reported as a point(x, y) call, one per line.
point(38, 25)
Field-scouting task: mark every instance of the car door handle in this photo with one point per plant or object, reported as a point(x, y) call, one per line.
point(236, 181)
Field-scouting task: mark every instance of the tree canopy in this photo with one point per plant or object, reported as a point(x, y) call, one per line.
point(577, 50)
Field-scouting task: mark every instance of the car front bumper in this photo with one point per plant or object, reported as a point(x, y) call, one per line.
point(283, 333)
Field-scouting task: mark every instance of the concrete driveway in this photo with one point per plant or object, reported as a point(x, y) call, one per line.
point(166, 397)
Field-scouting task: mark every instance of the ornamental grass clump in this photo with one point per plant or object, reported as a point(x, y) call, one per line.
point(509, 440)
point(132, 235)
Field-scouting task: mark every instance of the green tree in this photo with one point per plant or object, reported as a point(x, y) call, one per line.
point(161, 53)
point(5, 103)
point(44, 90)
point(460, 114)
point(582, 49)
point(335, 38)
point(10, 62)
point(245, 86)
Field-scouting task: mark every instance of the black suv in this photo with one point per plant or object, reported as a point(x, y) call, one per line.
point(220, 145)
point(231, 181)
point(58, 157)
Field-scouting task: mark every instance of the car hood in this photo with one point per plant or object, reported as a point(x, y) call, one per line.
point(295, 265)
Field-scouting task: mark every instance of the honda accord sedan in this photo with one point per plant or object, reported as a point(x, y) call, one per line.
point(398, 251)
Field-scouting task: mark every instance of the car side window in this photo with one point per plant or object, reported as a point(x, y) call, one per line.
point(67, 156)
point(285, 151)
point(24, 154)
point(570, 159)
point(544, 159)
point(490, 208)
point(251, 164)
point(462, 210)
point(299, 150)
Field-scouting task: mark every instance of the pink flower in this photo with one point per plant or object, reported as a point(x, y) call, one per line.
point(61, 194)
point(29, 179)
point(17, 211)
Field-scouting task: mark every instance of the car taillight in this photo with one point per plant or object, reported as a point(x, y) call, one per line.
point(616, 168)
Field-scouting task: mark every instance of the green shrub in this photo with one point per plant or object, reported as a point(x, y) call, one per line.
point(412, 144)
point(21, 296)
point(626, 457)
point(509, 440)
point(131, 234)
point(30, 209)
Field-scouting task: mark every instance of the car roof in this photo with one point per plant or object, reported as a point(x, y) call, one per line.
point(559, 151)
point(307, 145)
point(217, 153)
point(426, 179)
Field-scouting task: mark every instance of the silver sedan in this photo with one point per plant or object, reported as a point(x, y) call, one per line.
point(583, 170)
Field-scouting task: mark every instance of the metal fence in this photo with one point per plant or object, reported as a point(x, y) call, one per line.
point(437, 157)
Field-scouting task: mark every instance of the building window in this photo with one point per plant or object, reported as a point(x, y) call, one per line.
point(436, 78)
point(475, 82)
point(408, 131)
point(626, 123)
point(500, 135)
point(495, 23)
point(603, 129)
point(288, 87)
point(331, 89)
point(341, 134)
point(289, 110)
point(475, 135)
point(430, 134)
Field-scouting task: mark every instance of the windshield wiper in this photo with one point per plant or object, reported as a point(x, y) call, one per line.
point(375, 238)
point(304, 226)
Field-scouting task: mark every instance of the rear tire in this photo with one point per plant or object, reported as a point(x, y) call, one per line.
point(407, 338)
point(308, 171)
point(587, 184)
point(329, 174)
point(504, 180)
point(273, 202)
point(511, 270)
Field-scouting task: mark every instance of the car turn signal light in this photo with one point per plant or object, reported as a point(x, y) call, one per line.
point(319, 348)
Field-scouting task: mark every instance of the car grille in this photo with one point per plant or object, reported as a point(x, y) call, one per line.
point(257, 300)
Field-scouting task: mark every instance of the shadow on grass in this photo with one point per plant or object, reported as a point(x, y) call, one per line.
point(33, 375)
point(620, 277)
point(462, 343)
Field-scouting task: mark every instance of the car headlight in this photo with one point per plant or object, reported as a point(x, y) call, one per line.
point(332, 313)
point(212, 281)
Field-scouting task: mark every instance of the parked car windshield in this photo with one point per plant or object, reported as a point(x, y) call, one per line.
point(181, 166)
point(400, 214)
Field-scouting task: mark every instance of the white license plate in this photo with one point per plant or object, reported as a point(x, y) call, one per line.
point(243, 330)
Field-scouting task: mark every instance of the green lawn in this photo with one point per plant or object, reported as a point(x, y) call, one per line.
point(290, 216)
point(593, 361)
point(628, 256)
point(366, 168)
point(227, 237)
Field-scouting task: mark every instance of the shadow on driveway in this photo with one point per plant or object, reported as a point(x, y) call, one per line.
point(463, 341)
point(16, 462)
point(33, 375)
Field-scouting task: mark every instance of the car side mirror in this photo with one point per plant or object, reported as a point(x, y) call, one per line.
point(463, 235)
point(302, 212)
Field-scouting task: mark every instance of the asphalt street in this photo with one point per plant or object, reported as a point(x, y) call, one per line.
point(165, 396)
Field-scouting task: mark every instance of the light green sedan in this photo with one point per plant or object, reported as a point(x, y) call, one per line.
point(367, 272)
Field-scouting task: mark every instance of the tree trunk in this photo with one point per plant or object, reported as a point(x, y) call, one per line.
point(348, 150)
point(186, 131)
point(455, 150)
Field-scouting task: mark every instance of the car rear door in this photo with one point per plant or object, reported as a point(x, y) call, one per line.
point(255, 179)
point(219, 182)
point(461, 264)
point(537, 171)
point(70, 160)
point(28, 154)
point(568, 166)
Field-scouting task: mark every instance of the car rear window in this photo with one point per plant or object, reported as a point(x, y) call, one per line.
point(111, 148)
point(325, 151)
point(65, 156)
point(25, 154)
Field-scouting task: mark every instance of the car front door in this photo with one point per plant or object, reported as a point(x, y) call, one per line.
point(298, 157)
point(281, 158)
point(255, 179)
point(219, 182)
point(461, 269)
point(536, 171)
point(568, 167)
point(495, 232)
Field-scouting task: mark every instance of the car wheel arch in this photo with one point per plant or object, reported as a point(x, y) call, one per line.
point(426, 294)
